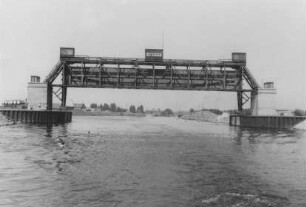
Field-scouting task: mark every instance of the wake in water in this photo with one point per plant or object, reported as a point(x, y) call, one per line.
point(124, 161)
point(244, 200)
point(5, 122)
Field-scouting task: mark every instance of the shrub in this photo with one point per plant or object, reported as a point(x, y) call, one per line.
point(166, 112)
point(299, 112)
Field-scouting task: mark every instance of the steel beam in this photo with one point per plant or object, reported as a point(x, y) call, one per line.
point(133, 73)
point(49, 96)
point(240, 101)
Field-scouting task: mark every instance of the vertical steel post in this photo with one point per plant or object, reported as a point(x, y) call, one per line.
point(100, 74)
point(171, 76)
point(206, 78)
point(153, 76)
point(64, 96)
point(239, 101)
point(189, 76)
point(118, 75)
point(49, 96)
point(83, 73)
point(135, 67)
point(64, 85)
point(239, 92)
point(224, 78)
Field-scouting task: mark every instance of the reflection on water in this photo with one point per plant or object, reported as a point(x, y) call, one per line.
point(279, 157)
point(128, 161)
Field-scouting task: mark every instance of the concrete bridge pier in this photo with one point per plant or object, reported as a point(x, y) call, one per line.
point(37, 116)
point(263, 103)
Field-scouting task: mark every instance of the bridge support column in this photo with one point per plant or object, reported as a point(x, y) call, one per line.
point(239, 92)
point(253, 101)
point(239, 101)
point(37, 96)
point(65, 80)
point(64, 96)
point(49, 96)
point(264, 103)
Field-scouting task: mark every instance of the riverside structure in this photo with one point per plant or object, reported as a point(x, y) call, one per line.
point(155, 72)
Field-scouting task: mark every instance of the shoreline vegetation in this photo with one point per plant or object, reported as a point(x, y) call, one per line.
point(106, 113)
point(201, 116)
point(209, 115)
point(204, 115)
point(107, 110)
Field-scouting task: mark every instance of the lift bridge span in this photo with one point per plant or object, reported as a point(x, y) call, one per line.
point(230, 75)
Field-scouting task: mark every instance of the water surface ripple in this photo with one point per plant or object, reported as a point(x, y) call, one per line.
point(145, 161)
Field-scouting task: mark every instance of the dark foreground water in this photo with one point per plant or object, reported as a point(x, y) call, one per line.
point(129, 161)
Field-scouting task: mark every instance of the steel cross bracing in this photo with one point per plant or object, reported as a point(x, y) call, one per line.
point(170, 74)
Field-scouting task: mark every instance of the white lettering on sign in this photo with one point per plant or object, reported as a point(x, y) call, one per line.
point(153, 54)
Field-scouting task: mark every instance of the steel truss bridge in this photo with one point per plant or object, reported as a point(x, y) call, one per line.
point(136, 73)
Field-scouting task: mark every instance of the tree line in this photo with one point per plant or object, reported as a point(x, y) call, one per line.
point(114, 108)
point(299, 112)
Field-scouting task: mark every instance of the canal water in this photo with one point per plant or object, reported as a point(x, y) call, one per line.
point(150, 161)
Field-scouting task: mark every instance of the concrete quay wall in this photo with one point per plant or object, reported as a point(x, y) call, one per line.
point(37, 116)
point(276, 122)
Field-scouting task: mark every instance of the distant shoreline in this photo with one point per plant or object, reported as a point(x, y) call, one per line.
point(105, 113)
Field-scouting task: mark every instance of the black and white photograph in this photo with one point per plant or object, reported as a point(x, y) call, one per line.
point(153, 103)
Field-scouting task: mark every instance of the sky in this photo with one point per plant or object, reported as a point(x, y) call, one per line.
point(271, 32)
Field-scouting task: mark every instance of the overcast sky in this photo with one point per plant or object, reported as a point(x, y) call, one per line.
point(271, 32)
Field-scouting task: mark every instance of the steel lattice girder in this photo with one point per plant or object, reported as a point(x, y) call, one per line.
point(169, 74)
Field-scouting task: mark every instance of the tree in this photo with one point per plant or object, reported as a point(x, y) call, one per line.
point(191, 111)
point(106, 107)
point(167, 112)
point(299, 112)
point(140, 109)
point(113, 107)
point(119, 109)
point(132, 109)
point(93, 105)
